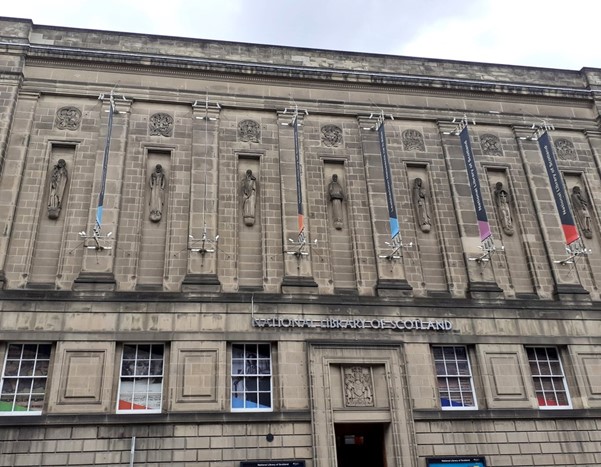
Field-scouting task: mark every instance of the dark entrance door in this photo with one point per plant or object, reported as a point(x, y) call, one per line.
point(360, 444)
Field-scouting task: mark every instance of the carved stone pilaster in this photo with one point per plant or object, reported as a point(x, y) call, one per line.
point(202, 262)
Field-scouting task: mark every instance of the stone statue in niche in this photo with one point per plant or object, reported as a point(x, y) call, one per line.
point(502, 200)
point(422, 206)
point(68, 118)
point(336, 197)
point(358, 387)
point(158, 180)
point(583, 215)
point(249, 198)
point(58, 182)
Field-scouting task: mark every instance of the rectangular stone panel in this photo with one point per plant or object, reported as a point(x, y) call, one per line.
point(199, 373)
point(83, 381)
point(587, 369)
point(506, 378)
point(198, 376)
point(83, 375)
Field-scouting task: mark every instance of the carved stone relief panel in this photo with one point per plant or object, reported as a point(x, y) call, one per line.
point(491, 145)
point(331, 136)
point(68, 118)
point(160, 124)
point(413, 141)
point(249, 131)
point(565, 149)
point(358, 387)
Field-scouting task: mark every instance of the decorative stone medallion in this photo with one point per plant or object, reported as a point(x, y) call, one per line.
point(413, 141)
point(331, 136)
point(565, 149)
point(491, 145)
point(68, 118)
point(160, 124)
point(249, 131)
point(358, 387)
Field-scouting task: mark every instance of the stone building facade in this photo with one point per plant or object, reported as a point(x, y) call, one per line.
point(205, 331)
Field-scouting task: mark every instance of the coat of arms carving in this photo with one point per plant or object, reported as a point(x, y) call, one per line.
point(358, 387)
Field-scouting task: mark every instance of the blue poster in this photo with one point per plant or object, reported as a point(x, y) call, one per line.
point(464, 461)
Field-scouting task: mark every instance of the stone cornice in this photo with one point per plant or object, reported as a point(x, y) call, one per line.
point(39, 54)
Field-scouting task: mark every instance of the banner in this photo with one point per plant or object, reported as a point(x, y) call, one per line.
point(392, 215)
point(568, 225)
point(299, 187)
point(474, 184)
point(105, 163)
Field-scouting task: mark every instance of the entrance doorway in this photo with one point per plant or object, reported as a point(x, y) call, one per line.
point(360, 444)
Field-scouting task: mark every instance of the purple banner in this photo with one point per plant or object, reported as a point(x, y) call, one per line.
point(474, 184)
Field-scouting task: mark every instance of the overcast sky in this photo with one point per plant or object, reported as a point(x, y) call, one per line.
point(547, 33)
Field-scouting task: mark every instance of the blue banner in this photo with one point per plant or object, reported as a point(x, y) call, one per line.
point(474, 183)
point(105, 163)
point(568, 225)
point(299, 186)
point(392, 215)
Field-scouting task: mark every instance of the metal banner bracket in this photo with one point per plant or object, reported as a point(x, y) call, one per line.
point(574, 252)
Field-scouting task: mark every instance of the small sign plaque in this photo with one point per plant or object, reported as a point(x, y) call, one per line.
point(459, 461)
point(272, 464)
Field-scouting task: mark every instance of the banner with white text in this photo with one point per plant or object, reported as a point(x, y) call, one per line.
point(570, 231)
point(474, 184)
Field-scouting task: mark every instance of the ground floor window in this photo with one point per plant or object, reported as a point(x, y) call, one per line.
point(454, 377)
point(24, 377)
point(549, 379)
point(251, 377)
point(141, 378)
